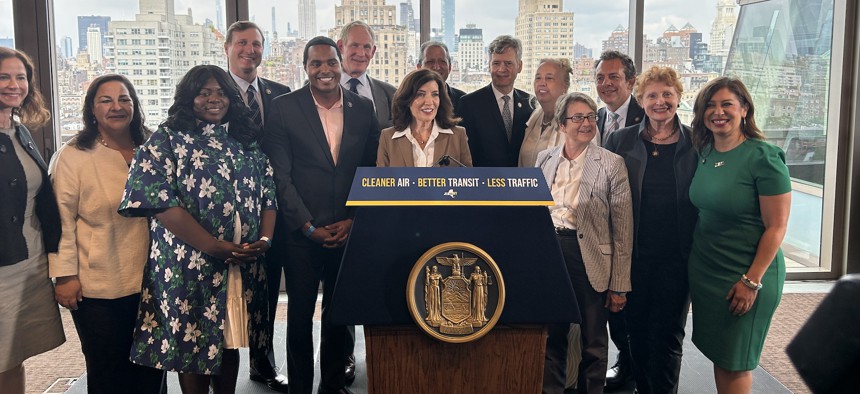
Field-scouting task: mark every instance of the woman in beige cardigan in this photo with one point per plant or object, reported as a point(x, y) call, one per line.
point(99, 264)
point(424, 132)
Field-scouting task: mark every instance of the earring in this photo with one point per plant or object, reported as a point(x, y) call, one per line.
point(743, 123)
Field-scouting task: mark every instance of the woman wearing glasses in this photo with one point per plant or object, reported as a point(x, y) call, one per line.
point(661, 162)
point(593, 219)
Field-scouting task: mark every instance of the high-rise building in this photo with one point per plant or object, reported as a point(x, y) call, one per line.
point(470, 50)
point(448, 24)
point(723, 28)
point(157, 48)
point(393, 59)
point(545, 31)
point(580, 50)
point(84, 23)
point(67, 47)
point(307, 19)
point(94, 47)
point(219, 16)
point(407, 16)
point(617, 40)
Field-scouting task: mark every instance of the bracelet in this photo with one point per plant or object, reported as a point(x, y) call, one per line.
point(267, 240)
point(749, 283)
point(310, 231)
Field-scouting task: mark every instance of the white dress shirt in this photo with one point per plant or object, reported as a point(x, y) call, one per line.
point(422, 157)
point(565, 191)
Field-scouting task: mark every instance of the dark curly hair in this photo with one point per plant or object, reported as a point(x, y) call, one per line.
point(32, 112)
point(87, 136)
point(405, 94)
point(180, 115)
point(702, 136)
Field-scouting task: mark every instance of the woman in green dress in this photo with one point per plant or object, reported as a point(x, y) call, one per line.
point(742, 190)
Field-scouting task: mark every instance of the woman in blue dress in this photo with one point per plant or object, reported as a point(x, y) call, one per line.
point(208, 191)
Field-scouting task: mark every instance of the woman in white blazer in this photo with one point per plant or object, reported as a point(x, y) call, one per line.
point(593, 217)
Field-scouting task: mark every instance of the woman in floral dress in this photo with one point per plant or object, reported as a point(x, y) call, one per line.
point(208, 191)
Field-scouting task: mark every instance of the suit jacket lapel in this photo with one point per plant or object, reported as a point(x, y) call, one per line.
point(405, 148)
point(590, 172)
point(351, 137)
point(311, 114)
point(441, 146)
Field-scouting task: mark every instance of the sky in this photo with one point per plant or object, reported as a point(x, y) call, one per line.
point(593, 19)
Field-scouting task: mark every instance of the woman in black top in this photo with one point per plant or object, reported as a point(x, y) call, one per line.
point(660, 162)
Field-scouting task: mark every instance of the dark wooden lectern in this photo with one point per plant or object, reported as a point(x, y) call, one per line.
point(385, 243)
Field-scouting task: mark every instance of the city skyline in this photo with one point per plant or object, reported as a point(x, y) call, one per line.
point(594, 20)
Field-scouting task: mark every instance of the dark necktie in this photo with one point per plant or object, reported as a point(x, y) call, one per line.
point(507, 118)
point(353, 85)
point(254, 106)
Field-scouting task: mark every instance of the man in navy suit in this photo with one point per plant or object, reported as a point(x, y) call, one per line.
point(495, 116)
point(615, 75)
point(435, 56)
point(244, 49)
point(316, 137)
point(357, 43)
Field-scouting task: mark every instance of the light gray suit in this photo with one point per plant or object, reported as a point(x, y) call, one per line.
point(604, 216)
point(597, 259)
point(383, 96)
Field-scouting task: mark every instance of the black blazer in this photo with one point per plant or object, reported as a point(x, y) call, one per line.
point(482, 119)
point(269, 90)
point(627, 143)
point(635, 114)
point(13, 188)
point(455, 95)
point(311, 188)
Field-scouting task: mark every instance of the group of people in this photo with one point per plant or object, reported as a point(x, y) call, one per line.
point(168, 245)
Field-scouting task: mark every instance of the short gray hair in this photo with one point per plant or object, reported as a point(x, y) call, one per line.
point(504, 42)
point(564, 101)
point(429, 44)
point(347, 27)
point(564, 68)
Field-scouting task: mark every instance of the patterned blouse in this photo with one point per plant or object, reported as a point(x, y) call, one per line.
point(181, 315)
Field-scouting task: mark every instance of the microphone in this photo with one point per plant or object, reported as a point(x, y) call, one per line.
point(446, 160)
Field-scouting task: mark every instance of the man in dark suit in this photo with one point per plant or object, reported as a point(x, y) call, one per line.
point(244, 49)
point(495, 116)
point(357, 43)
point(316, 137)
point(615, 75)
point(435, 56)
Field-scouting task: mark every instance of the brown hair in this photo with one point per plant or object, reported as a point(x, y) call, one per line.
point(87, 136)
point(240, 26)
point(405, 94)
point(32, 111)
point(702, 136)
point(657, 74)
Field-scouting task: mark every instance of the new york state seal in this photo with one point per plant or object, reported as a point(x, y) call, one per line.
point(456, 292)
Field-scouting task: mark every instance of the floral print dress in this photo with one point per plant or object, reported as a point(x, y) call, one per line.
point(180, 320)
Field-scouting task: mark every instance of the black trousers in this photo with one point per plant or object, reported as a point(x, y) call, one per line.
point(595, 339)
point(621, 338)
point(656, 314)
point(263, 361)
point(105, 328)
point(307, 266)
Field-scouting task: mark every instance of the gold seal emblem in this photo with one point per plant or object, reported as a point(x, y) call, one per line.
point(456, 292)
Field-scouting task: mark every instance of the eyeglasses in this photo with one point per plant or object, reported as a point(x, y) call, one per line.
point(582, 118)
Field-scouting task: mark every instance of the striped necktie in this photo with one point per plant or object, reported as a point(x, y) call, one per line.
point(507, 118)
point(614, 124)
point(254, 106)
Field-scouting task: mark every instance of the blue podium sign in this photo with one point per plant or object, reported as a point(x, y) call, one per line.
point(449, 186)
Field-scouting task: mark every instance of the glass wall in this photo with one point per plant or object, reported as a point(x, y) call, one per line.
point(7, 24)
point(782, 52)
point(147, 41)
point(289, 25)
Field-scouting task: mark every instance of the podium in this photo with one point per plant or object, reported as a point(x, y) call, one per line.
point(403, 212)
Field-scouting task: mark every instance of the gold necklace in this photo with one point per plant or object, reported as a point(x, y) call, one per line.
point(656, 152)
point(419, 139)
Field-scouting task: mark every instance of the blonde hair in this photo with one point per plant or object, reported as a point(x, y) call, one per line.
point(657, 74)
point(563, 66)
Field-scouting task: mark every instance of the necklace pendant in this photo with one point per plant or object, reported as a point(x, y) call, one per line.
point(655, 153)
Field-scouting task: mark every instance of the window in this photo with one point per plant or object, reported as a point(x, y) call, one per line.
point(100, 33)
point(7, 25)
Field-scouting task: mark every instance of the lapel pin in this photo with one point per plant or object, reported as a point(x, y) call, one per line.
point(719, 164)
point(268, 91)
point(349, 104)
point(519, 105)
